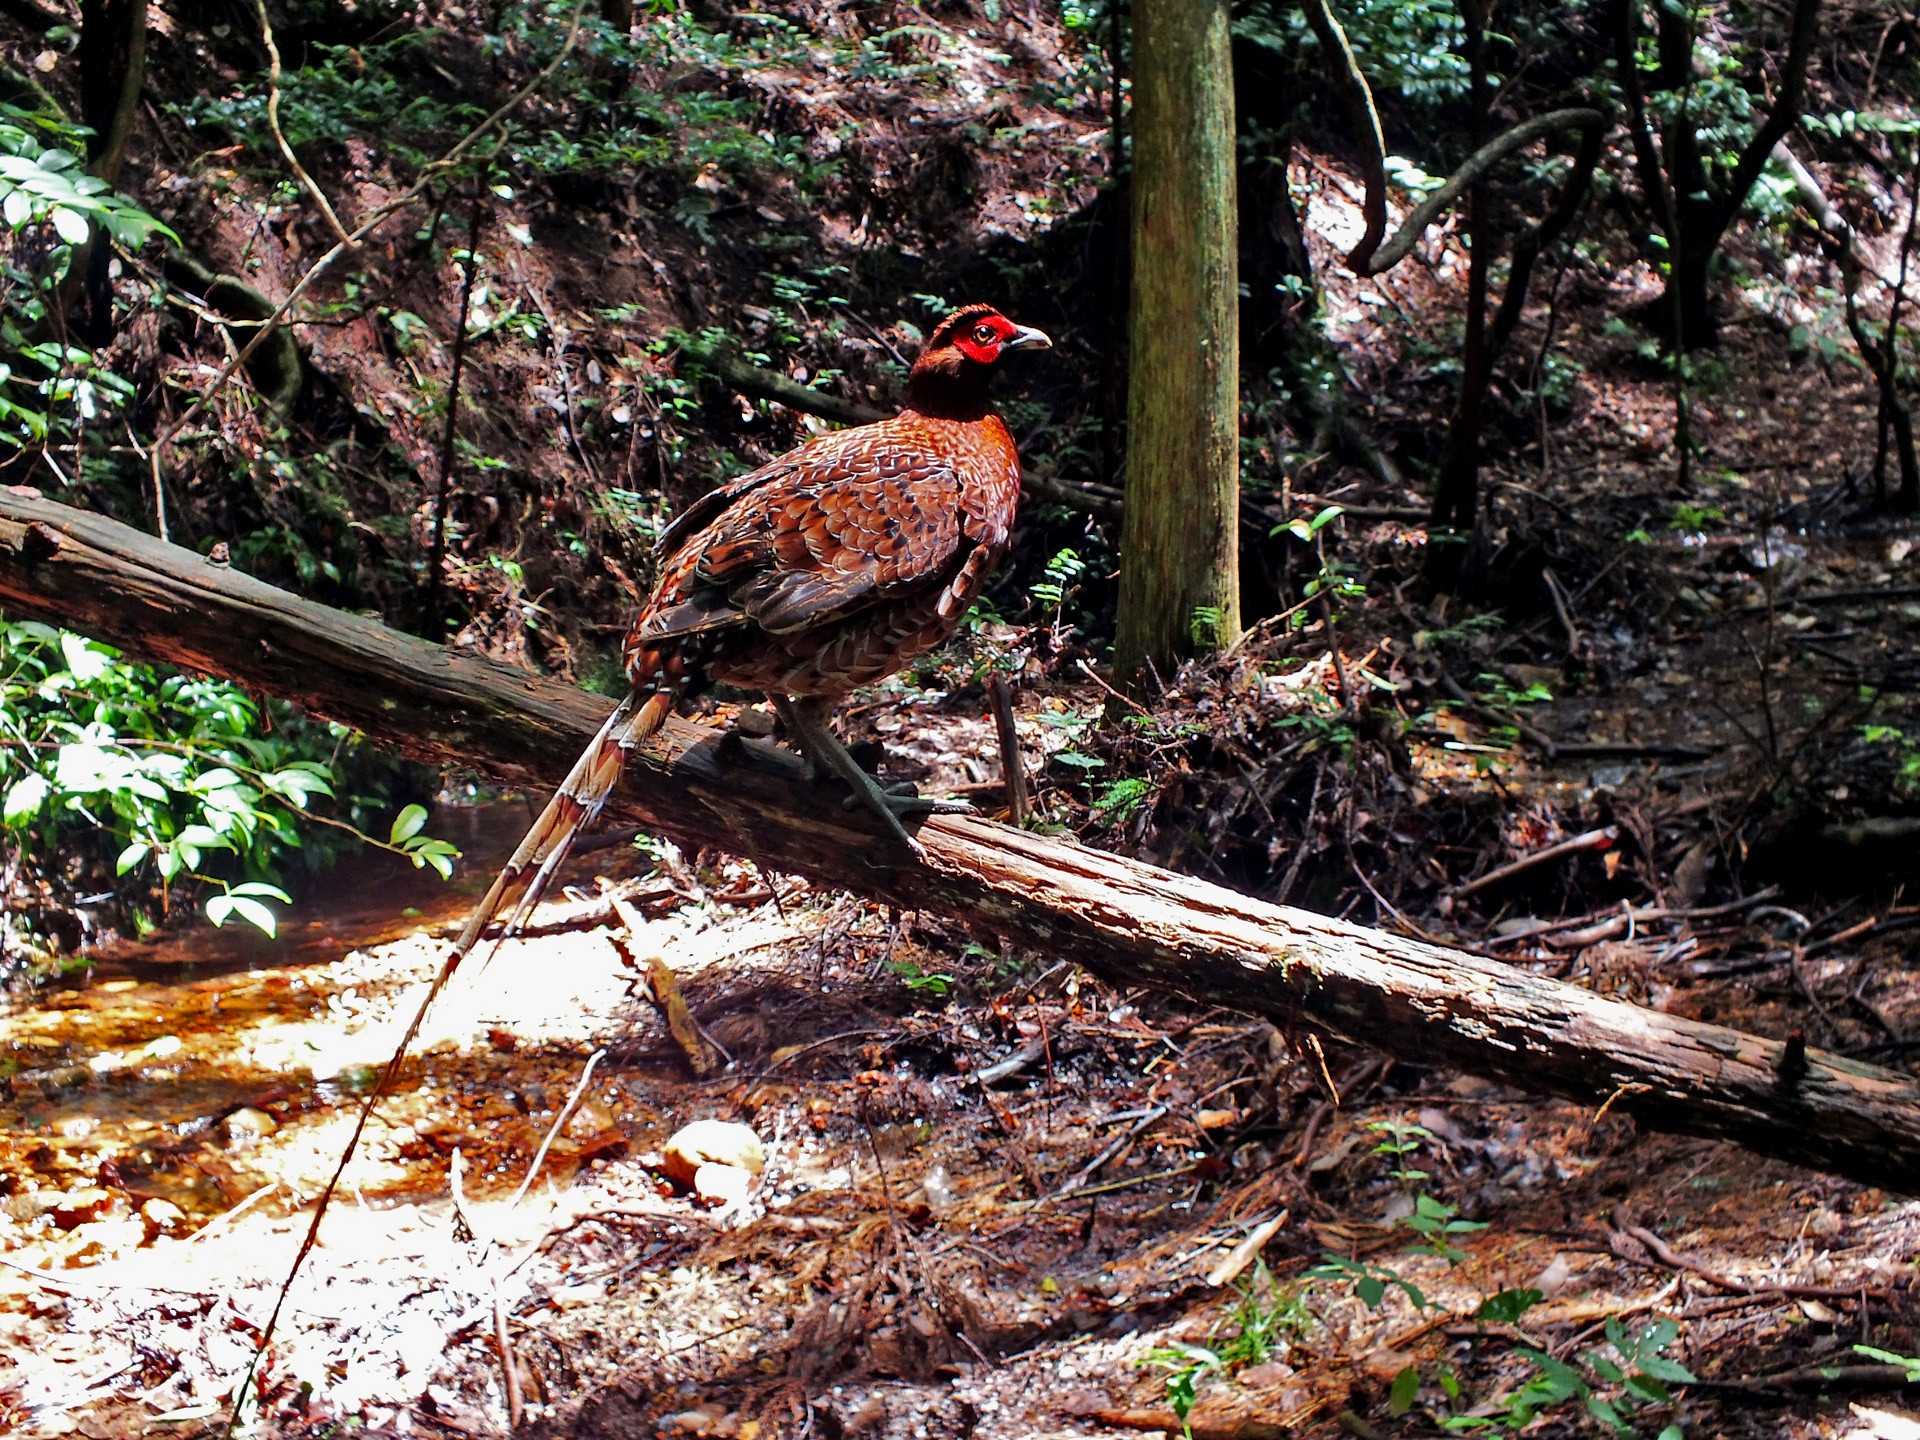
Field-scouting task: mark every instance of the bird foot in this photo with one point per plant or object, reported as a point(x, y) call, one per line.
point(826, 755)
point(904, 799)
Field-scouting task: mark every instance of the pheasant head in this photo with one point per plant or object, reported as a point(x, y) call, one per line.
point(950, 377)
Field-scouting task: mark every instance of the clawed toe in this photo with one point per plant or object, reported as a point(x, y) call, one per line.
point(905, 801)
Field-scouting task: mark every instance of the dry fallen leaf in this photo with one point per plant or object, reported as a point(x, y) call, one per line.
point(1885, 1425)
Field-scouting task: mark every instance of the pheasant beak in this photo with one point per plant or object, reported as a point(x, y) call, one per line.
point(1025, 337)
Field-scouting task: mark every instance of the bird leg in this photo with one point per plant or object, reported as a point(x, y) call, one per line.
point(808, 724)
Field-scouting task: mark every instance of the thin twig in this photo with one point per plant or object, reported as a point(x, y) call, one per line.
point(561, 339)
point(515, 1409)
point(579, 1090)
point(437, 563)
point(229, 1216)
point(1012, 771)
point(373, 221)
point(1094, 676)
point(1119, 1143)
point(273, 124)
point(1593, 840)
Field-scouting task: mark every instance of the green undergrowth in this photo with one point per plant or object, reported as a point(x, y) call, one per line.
point(167, 789)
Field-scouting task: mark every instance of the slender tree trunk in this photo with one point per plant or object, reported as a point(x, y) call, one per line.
point(113, 68)
point(1908, 500)
point(1179, 554)
point(1694, 236)
point(1456, 499)
point(1692, 210)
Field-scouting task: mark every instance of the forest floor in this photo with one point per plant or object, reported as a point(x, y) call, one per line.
point(903, 1204)
point(996, 1191)
point(998, 1197)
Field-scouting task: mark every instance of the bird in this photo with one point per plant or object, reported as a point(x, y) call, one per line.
point(824, 570)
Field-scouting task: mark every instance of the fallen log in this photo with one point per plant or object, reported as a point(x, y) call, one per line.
point(1126, 921)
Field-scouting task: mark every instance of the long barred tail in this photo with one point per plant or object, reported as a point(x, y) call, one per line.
point(573, 807)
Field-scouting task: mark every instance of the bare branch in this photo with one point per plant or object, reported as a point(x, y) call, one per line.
point(1472, 169)
point(373, 221)
point(273, 124)
point(1366, 120)
point(1527, 251)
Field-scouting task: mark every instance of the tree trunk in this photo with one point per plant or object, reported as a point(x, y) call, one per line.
point(1689, 205)
point(1456, 500)
point(113, 56)
point(1179, 547)
point(113, 68)
point(1908, 499)
point(1128, 922)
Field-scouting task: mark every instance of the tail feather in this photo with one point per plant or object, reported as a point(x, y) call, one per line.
point(580, 798)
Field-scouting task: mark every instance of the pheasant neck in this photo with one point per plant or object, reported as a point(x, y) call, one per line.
point(948, 391)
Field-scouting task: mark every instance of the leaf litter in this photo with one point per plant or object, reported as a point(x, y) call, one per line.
point(924, 1255)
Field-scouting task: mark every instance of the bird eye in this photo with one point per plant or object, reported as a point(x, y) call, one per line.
point(985, 335)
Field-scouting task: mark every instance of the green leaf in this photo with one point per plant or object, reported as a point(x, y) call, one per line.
point(407, 824)
point(1605, 1411)
point(1406, 1388)
point(86, 660)
point(254, 911)
point(219, 907)
point(294, 783)
point(1371, 1290)
point(1507, 1306)
point(131, 856)
point(71, 226)
point(1606, 1369)
point(260, 887)
point(1674, 1373)
point(1648, 1389)
point(1889, 1357)
point(436, 853)
point(24, 799)
point(1557, 1381)
point(1197, 1353)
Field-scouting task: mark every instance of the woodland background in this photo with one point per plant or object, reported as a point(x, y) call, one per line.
point(1592, 514)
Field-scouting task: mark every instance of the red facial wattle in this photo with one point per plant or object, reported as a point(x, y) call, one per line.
point(984, 351)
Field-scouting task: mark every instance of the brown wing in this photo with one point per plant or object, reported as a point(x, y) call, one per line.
point(845, 522)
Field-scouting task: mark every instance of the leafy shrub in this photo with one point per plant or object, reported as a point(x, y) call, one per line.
point(349, 92)
point(187, 781)
point(692, 124)
point(1265, 1321)
point(48, 201)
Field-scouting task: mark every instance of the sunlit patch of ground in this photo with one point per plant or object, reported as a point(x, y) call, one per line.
point(924, 1256)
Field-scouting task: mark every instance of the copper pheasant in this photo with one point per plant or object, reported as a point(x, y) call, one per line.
point(822, 571)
